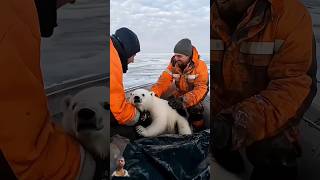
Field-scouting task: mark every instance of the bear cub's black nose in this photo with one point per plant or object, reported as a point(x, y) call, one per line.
point(86, 114)
point(136, 99)
point(86, 119)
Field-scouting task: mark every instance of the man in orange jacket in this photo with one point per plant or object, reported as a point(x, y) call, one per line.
point(189, 74)
point(124, 45)
point(264, 79)
point(33, 146)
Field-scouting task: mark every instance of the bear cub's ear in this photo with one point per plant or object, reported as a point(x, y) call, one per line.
point(67, 102)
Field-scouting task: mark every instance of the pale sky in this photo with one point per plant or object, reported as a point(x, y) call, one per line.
point(160, 24)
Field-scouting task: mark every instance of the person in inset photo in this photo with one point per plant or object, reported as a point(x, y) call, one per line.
point(120, 172)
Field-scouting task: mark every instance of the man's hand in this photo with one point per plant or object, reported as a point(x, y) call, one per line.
point(222, 131)
point(64, 2)
point(176, 103)
point(144, 116)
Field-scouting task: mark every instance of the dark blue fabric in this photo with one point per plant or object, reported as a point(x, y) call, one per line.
point(169, 157)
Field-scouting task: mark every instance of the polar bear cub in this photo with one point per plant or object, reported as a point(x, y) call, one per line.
point(85, 116)
point(164, 118)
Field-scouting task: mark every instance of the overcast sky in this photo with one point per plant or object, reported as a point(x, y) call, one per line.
point(160, 24)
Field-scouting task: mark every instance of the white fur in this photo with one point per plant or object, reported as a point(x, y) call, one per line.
point(94, 140)
point(164, 118)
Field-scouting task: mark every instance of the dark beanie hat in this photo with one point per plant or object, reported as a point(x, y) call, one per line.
point(184, 46)
point(129, 41)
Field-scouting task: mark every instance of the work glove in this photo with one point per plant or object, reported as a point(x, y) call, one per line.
point(47, 15)
point(221, 144)
point(222, 132)
point(176, 103)
point(61, 3)
point(144, 116)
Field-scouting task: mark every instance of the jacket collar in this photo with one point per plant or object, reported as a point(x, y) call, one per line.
point(254, 21)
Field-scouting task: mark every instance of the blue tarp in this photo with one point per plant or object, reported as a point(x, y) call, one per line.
point(169, 157)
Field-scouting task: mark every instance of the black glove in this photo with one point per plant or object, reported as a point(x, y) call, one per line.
point(176, 103)
point(221, 145)
point(47, 14)
point(222, 131)
point(144, 116)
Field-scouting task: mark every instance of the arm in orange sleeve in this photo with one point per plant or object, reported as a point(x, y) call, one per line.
point(265, 113)
point(34, 147)
point(164, 82)
point(200, 87)
point(122, 109)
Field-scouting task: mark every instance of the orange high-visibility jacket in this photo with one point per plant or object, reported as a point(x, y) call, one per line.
point(123, 110)
point(262, 73)
point(33, 146)
point(191, 84)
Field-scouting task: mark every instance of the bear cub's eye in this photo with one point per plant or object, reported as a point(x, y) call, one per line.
point(143, 95)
